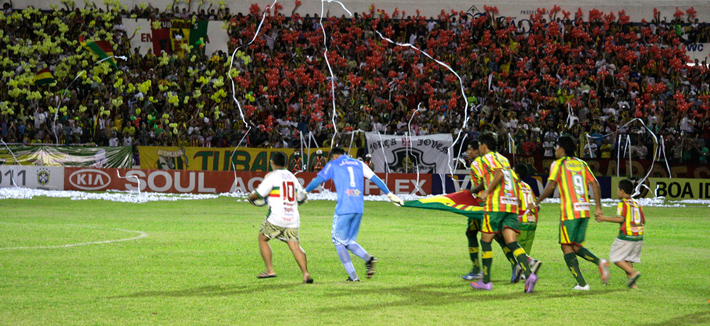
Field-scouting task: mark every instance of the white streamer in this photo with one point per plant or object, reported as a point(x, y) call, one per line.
point(618, 157)
point(571, 118)
point(12, 178)
point(650, 169)
point(384, 156)
point(132, 176)
point(330, 69)
point(234, 91)
point(463, 92)
point(231, 61)
point(665, 158)
point(628, 149)
point(511, 146)
point(409, 142)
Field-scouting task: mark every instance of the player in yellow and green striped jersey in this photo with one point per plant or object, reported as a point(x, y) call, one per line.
point(473, 227)
point(574, 178)
point(501, 208)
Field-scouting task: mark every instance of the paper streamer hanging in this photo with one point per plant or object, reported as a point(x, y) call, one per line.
point(330, 69)
point(463, 92)
point(234, 90)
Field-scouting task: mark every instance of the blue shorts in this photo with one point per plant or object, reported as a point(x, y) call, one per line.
point(345, 228)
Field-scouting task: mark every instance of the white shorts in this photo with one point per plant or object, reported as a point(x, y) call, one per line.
point(622, 250)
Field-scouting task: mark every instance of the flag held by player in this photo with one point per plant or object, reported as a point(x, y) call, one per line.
point(461, 202)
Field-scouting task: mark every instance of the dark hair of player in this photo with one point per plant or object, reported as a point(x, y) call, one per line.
point(337, 151)
point(490, 139)
point(627, 186)
point(521, 170)
point(568, 144)
point(279, 159)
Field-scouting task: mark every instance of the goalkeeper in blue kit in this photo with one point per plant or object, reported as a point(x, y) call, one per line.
point(348, 175)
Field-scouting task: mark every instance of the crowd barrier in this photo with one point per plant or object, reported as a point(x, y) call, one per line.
point(216, 182)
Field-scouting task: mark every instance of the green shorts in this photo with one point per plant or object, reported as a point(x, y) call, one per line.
point(279, 232)
point(525, 239)
point(474, 225)
point(494, 222)
point(573, 231)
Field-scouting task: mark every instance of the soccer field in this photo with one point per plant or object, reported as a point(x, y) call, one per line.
point(195, 263)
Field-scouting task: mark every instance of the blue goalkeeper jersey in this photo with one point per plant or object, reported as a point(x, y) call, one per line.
point(348, 175)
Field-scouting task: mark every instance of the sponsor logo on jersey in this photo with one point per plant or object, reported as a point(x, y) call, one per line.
point(573, 166)
point(581, 206)
point(353, 192)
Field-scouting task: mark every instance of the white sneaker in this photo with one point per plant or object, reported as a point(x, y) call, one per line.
point(581, 288)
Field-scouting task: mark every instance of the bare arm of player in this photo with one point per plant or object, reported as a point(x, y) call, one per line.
point(617, 219)
point(549, 189)
point(480, 187)
point(597, 198)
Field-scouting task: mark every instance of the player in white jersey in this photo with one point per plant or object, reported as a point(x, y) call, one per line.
point(280, 188)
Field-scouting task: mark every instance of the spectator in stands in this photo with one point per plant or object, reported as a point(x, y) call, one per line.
point(376, 85)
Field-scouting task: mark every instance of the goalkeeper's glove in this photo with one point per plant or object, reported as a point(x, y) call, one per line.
point(396, 200)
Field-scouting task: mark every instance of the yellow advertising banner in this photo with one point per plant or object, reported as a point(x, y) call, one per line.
point(223, 159)
point(670, 188)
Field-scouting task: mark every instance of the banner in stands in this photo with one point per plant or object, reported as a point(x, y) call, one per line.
point(699, 51)
point(211, 182)
point(427, 154)
point(207, 36)
point(218, 159)
point(681, 188)
point(106, 157)
point(33, 177)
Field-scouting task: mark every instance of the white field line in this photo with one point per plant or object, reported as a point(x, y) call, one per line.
point(142, 235)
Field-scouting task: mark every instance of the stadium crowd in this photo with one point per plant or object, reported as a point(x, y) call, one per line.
point(584, 74)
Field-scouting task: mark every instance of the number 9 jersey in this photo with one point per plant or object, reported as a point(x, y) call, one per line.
point(573, 177)
point(281, 187)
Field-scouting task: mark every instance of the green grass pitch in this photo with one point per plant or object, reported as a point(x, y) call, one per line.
point(197, 262)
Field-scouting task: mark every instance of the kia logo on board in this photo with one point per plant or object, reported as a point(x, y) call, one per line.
point(90, 179)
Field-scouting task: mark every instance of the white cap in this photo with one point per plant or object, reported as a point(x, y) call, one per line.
point(368, 155)
point(319, 152)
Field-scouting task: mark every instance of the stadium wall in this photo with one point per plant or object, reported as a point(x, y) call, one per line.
point(216, 182)
point(636, 10)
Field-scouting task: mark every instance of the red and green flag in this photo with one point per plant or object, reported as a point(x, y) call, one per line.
point(103, 49)
point(461, 202)
point(44, 77)
point(173, 33)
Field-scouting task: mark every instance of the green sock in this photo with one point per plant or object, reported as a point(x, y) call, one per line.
point(521, 256)
point(473, 251)
point(573, 265)
point(487, 259)
point(588, 255)
point(508, 253)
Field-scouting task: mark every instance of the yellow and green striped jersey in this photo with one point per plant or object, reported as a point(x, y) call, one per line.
point(632, 227)
point(527, 202)
point(504, 198)
point(573, 177)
